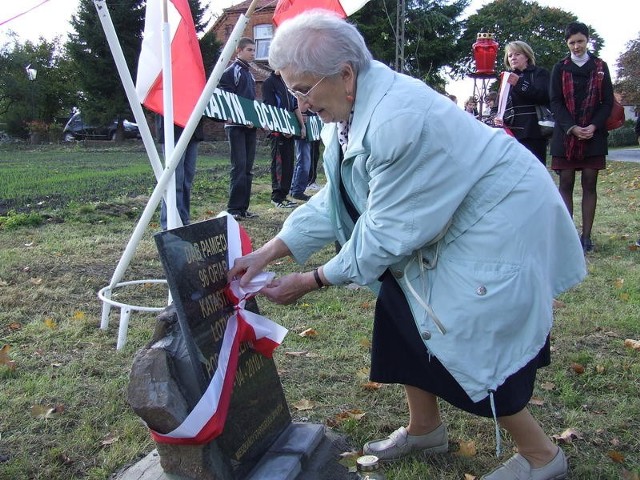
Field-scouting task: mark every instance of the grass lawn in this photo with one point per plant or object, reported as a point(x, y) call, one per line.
point(66, 215)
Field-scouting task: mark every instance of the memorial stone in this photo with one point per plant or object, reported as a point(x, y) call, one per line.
point(195, 261)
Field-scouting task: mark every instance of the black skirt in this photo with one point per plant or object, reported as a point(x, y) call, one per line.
point(398, 355)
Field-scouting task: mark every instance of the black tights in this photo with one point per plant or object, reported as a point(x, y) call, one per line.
point(589, 180)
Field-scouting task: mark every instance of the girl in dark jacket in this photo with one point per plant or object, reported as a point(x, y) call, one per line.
point(581, 101)
point(529, 88)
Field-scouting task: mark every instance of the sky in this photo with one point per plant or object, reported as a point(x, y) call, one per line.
point(617, 24)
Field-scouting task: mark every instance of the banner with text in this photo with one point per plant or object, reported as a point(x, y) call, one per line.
point(229, 106)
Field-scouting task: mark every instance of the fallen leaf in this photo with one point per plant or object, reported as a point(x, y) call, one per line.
point(633, 344)
point(558, 304)
point(365, 342)
point(371, 386)
point(78, 315)
point(466, 449)
point(633, 247)
point(615, 442)
point(4, 358)
point(619, 283)
point(624, 297)
point(43, 411)
point(51, 323)
point(109, 439)
point(348, 460)
point(302, 353)
point(576, 367)
point(309, 332)
point(568, 436)
point(548, 386)
point(468, 476)
point(304, 404)
point(348, 414)
point(600, 369)
point(13, 326)
point(35, 281)
point(615, 456)
point(536, 401)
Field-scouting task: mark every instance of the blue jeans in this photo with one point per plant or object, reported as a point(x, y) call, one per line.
point(303, 165)
point(184, 172)
point(242, 141)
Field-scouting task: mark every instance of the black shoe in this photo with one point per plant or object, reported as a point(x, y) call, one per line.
point(236, 215)
point(301, 196)
point(249, 214)
point(587, 244)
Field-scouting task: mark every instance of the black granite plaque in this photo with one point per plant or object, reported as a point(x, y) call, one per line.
point(195, 261)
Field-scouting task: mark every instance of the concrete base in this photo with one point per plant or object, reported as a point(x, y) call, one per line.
point(303, 452)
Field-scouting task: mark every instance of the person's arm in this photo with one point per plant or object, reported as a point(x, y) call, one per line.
point(303, 128)
point(562, 117)
point(536, 92)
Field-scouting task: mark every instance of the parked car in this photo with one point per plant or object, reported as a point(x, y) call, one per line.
point(76, 129)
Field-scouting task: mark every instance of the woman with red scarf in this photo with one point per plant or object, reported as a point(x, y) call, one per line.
point(581, 99)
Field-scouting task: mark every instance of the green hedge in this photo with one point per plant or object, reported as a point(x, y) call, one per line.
point(622, 137)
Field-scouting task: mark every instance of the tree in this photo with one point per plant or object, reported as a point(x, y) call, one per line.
point(629, 73)
point(541, 27)
point(102, 97)
point(45, 98)
point(431, 30)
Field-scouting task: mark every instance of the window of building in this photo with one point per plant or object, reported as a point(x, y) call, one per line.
point(262, 36)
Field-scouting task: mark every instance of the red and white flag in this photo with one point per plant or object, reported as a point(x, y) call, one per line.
point(186, 60)
point(286, 9)
point(206, 420)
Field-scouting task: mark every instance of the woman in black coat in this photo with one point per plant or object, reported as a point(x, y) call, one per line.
point(581, 101)
point(529, 88)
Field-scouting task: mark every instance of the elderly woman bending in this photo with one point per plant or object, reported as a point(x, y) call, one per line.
point(464, 237)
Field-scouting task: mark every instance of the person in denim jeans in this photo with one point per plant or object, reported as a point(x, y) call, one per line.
point(302, 167)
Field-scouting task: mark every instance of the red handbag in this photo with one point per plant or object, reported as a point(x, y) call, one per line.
point(616, 117)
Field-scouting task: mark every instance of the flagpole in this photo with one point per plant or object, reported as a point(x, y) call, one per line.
point(196, 114)
point(173, 220)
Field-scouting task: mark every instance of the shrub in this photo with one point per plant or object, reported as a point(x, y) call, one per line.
point(622, 137)
point(15, 220)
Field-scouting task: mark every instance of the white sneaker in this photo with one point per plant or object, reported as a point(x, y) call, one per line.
point(314, 187)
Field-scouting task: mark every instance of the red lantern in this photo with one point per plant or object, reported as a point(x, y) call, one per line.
point(485, 51)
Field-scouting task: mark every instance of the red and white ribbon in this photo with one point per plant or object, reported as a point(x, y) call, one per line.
point(206, 421)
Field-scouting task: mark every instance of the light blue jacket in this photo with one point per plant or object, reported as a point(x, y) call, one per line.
point(467, 220)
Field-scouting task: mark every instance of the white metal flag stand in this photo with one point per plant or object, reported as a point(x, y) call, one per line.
point(172, 155)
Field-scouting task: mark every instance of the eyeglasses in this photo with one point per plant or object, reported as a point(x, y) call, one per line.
point(304, 96)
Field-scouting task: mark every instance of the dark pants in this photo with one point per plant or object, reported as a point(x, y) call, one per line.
point(242, 141)
point(185, 172)
point(282, 161)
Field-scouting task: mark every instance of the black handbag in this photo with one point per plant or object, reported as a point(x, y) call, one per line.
point(545, 120)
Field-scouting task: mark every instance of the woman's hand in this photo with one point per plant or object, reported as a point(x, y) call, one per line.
point(583, 133)
point(288, 289)
point(247, 267)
